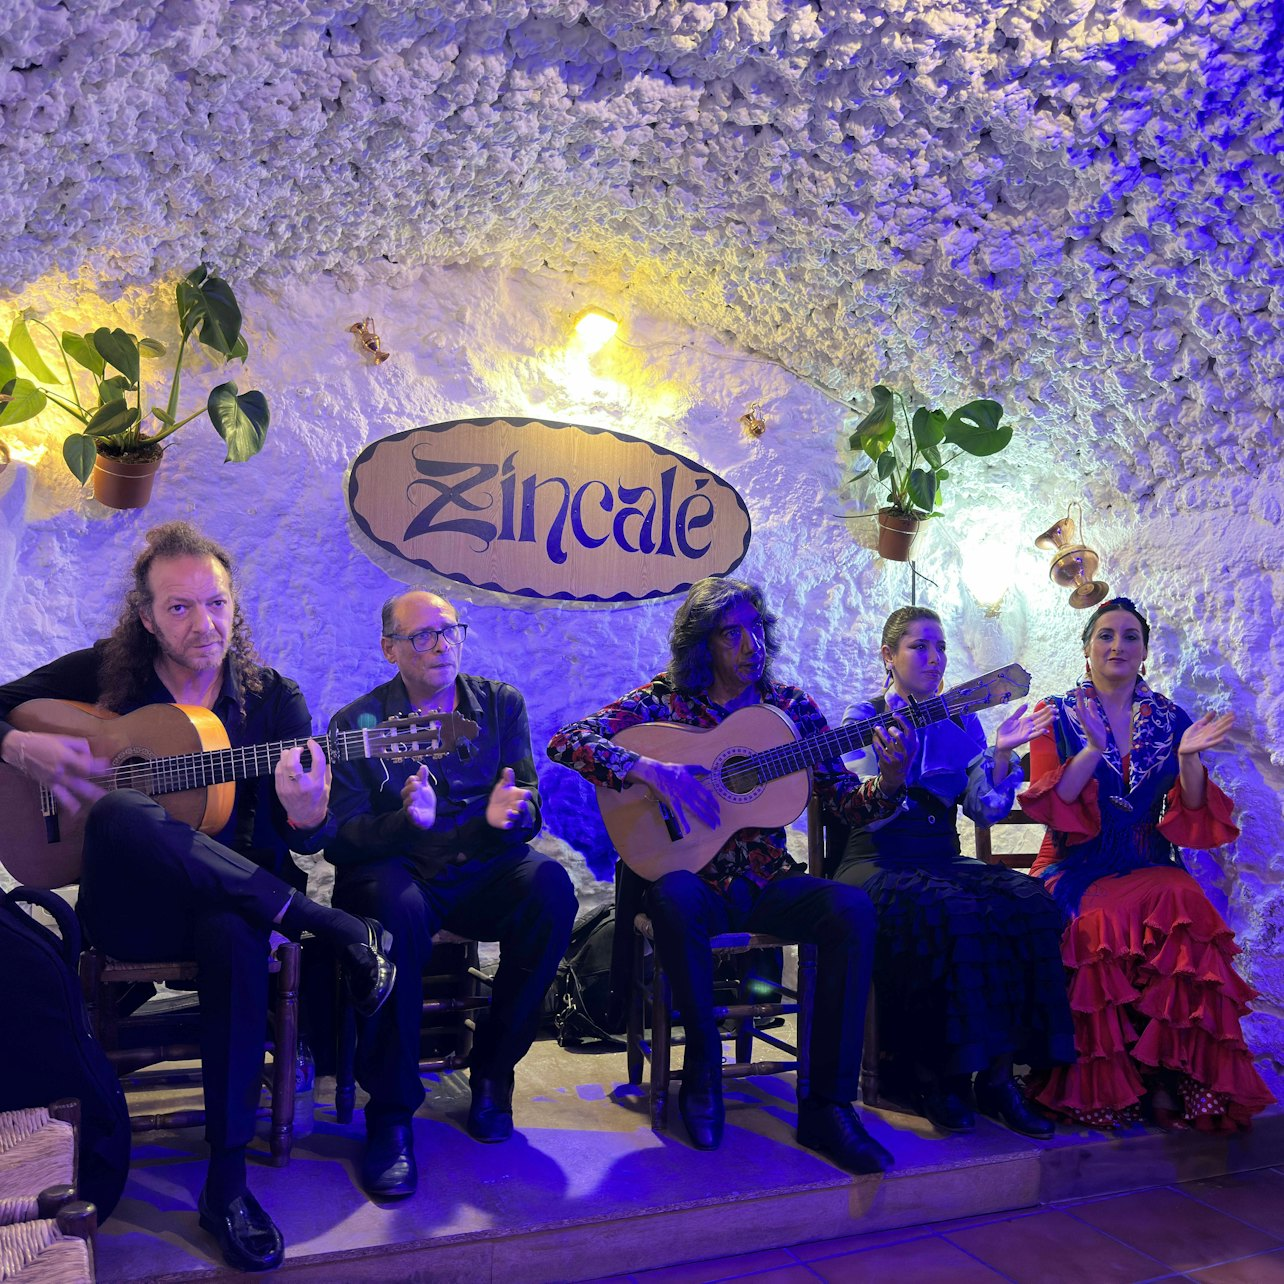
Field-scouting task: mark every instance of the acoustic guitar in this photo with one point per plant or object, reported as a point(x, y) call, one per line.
point(759, 770)
point(180, 755)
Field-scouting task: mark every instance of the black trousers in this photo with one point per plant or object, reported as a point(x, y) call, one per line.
point(686, 911)
point(521, 899)
point(154, 889)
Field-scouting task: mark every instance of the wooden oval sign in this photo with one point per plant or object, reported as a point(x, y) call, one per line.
point(542, 509)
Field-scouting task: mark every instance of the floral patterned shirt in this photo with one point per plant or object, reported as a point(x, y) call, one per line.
point(757, 854)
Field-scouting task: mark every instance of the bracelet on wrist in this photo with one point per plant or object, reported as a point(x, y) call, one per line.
point(880, 787)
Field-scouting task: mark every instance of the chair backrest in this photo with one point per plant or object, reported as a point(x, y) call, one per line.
point(826, 839)
point(1028, 838)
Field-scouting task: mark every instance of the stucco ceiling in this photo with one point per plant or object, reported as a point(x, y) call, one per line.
point(1074, 207)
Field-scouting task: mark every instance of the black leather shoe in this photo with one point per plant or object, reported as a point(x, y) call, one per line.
point(388, 1168)
point(700, 1105)
point(946, 1109)
point(368, 971)
point(1005, 1103)
point(490, 1116)
point(247, 1236)
point(836, 1131)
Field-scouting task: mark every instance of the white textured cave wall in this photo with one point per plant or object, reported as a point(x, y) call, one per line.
point(471, 341)
point(1076, 207)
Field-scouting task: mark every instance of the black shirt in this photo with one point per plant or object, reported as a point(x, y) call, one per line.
point(367, 821)
point(257, 828)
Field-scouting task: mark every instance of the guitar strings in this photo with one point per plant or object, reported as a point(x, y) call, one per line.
point(784, 760)
point(179, 772)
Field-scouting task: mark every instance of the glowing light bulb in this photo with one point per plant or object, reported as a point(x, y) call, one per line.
point(594, 327)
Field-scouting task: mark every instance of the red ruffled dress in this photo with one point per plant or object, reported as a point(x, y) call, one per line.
point(1152, 987)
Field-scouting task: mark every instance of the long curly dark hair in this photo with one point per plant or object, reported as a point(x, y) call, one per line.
point(129, 655)
point(696, 621)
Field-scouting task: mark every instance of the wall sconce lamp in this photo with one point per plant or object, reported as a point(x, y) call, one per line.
point(368, 341)
point(752, 424)
point(594, 327)
point(1073, 565)
point(987, 567)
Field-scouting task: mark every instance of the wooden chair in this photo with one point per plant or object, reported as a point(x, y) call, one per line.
point(453, 990)
point(650, 1004)
point(57, 1247)
point(134, 1037)
point(38, 1159)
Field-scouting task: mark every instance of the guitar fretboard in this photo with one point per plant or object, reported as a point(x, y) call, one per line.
point(816, 751)
point(174, 774)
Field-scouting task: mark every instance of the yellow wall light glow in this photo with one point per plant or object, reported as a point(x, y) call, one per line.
point(989, 569)
point(594, 327)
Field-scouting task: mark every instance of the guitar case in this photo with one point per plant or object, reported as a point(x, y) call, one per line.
point(49, 1051)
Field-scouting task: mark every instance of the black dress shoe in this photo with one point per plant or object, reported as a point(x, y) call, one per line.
point(368, 971)
point(946, 1109)
point(490, 1116)
point(700, 1105)
point(836, 1131)
point(247, 1236)
point(1005, 1103)
point(388, 1169)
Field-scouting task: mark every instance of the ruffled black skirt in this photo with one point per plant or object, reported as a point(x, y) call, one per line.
point(967, 964)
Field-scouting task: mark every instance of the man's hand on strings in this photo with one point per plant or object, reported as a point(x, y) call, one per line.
point(66, 764)
point(681, 788)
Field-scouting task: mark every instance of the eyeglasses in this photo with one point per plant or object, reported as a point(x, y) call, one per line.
point(426, 639)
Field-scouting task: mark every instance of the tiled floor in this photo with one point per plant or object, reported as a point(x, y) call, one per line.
point(1225, 1230)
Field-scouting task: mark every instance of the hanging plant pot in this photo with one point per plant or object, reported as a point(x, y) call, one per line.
point(125, 482)
point(896, 535)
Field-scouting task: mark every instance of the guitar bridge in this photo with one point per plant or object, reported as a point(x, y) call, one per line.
point(49, 811)
point(670, 822)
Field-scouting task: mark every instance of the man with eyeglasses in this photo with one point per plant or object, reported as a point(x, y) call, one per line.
point(445, 846)
point(721, 646)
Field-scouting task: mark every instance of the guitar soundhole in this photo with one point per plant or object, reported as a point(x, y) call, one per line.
point(740, 776)
point(135, 773)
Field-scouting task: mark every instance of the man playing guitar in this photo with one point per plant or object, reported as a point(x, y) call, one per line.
point(721, 646)
point(152, 888)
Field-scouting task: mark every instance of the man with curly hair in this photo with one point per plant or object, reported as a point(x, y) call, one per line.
point(721, 646)
point(152, 888)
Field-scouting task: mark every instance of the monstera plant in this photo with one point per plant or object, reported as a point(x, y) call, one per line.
point(105, 389)
point(910, 457)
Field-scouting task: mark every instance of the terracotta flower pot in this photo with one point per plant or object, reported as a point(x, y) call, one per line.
point(124, 483)
point(896, 535)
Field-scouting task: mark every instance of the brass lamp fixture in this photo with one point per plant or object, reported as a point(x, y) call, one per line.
point(752, 424)
point(1073, 565)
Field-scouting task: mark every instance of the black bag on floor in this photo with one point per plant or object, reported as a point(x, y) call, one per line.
point(582, 999)
point(48, 1051)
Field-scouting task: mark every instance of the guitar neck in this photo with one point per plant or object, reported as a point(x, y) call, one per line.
point(829, 746)
point(223, 766)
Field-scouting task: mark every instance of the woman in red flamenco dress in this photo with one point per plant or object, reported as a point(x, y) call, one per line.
point(1157, 1004)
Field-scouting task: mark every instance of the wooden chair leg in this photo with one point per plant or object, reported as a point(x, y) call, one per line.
point(470, 988)
point(806, 1015)
point(285, 1053)
point(661, 1046)
point(744, 1025)
point(636, 1011)
point(345, 1073)
point(869, 1057)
